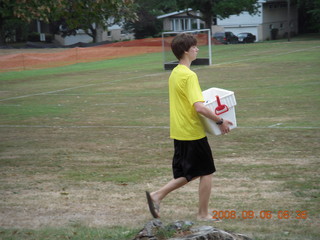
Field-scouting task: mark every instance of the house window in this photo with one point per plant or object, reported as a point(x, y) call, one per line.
point(181, 24)
point(194, 24)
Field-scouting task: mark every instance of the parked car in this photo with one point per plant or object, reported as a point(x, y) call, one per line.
point(225, 37)
point(246, 37)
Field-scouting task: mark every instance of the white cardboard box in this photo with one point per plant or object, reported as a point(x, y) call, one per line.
point(226, 111)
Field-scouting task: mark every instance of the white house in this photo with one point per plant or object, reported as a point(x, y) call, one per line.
point(273, 14)
point(114, 33)
point(180, 21)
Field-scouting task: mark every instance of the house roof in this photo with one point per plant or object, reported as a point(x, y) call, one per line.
point(270, 1)
point(174, 13)
point(190, 9)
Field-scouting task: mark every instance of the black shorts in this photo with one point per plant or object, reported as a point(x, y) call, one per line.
point(192, 159)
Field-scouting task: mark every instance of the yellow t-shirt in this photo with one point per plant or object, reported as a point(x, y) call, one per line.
point(184, 91)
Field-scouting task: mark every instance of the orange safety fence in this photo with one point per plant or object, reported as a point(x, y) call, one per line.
point(27, 59)
point(37, 59)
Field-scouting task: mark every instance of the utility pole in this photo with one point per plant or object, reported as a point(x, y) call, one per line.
point(289, 28)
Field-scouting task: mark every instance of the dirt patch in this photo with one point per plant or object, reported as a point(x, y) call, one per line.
point(47, 200)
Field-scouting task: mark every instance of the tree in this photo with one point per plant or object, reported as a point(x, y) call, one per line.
point(26, 11)
point(92, 16)
point(89, 15)
point(309, 15)
point(213, 9)
point(146, 24)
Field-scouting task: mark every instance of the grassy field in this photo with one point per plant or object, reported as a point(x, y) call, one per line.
point(80, 145)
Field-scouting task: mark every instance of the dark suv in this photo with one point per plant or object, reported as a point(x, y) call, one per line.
point(225, 37)
point(246, 37)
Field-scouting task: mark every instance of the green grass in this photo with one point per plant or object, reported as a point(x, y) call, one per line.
point(142, 62)
point(76, 232)
point(81, 143)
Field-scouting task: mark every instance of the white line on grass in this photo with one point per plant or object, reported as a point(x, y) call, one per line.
point(44, 93)
point(109, 93)
point(81, 86)
point(80, 126)
point(109, 104)
point(264, 56)
point(275, 126)
point(149, 75)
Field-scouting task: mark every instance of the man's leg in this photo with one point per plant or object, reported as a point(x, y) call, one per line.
point(174, 184)
point(204, 196)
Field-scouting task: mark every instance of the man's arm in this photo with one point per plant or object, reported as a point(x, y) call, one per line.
point(203, 110)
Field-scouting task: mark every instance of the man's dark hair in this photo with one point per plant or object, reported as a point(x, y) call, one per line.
point(182, 43)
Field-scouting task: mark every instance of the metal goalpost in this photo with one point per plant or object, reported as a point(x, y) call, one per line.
point(203, 37)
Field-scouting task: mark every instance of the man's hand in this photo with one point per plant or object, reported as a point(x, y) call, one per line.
point(225, 126)
point(203, 110)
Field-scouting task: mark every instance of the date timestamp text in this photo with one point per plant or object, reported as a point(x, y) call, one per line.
point(250, 214)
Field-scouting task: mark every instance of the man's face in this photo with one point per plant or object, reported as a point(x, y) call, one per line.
point(193, 52)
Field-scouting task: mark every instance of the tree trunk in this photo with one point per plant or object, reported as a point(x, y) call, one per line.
point(96, 33)
point(2, 40)
point(2, 34)
point(208, 22)
point(92, 33)
point(99, 33)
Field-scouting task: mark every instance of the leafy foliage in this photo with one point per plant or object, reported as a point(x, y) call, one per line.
point(309, 15)
point(92, 15)
point(68, 16)
point(72, 14)
point(43, 10)
point(24, 11)
point(146, 24)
